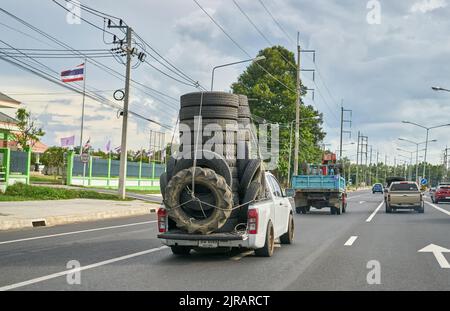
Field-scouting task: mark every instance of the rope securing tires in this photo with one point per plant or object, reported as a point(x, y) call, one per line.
point(209, 160)
point(219, 189)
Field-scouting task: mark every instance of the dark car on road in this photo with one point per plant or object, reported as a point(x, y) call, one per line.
point(377, 188)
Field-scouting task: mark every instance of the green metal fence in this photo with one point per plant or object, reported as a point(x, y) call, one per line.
point(104, 173)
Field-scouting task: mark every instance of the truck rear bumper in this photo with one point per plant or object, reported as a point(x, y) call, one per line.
point(405, 206)
point(206, 241)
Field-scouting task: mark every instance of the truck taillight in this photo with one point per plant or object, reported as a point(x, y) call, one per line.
point(252, 221)
point(162, 220)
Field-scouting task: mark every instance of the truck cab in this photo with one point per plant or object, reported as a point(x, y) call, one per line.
point(268, 220)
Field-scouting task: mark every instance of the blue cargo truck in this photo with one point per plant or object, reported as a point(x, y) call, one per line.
point(319, 191)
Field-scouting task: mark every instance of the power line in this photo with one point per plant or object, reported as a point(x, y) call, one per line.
point(277, 23)
point(96, 63)
point(261, 33)
point(54, 80)
point(241, 48)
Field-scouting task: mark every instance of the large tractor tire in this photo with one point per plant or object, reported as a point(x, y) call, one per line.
point(183, 217)
point(209, 160)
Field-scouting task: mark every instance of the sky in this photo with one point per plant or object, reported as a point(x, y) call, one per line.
point(381, 66)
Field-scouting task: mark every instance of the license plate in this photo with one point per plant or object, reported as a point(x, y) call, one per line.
point(208, 244)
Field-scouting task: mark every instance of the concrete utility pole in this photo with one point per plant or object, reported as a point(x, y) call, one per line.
point(357, 160)
point(123, 146)
point(297, 109)
point(376, 172)
point(386, 167)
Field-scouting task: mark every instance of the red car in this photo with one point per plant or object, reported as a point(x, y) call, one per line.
point(442, 194)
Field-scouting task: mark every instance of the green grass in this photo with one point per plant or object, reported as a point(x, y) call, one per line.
point(22, 192)
point(44, 179)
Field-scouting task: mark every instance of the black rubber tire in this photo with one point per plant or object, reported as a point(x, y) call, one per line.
point(244, 112)
point(333, 210)
point(170, 166)
point(243, 100)
point(209, 160)
point(288, 237)
point(267, 250)
point(298, 210)
point(436, 201)
point(250, 172)
point(304, 210)
point(235, 186)
point(215, 137)
point(250, 196)
point(181, 250)
point(209, 112)
point(219, 188)
point(209, 99)
point(207, 198)
point(163, 184)
point(224, 125)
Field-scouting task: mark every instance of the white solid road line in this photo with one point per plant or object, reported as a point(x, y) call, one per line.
point(438, 208)
point(77, 232)
point(375, 212)
point(95, 265)
point(351, 241)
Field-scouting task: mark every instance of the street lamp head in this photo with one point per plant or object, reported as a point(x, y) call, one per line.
point(257, 59)
point(406, 122)
point(435, 88)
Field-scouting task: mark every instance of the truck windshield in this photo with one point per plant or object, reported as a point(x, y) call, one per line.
point(404, 187)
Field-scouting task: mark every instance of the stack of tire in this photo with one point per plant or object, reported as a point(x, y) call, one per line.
point(222, 181)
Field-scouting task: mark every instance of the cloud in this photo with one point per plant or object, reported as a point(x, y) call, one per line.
point(425, 6)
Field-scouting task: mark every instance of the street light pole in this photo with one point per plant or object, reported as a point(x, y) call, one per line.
point(256, 59)
point(426, 143)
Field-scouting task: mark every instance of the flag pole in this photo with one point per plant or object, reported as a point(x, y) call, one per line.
point(82, 109)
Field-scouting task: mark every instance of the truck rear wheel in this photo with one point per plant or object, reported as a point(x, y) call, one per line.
point(269, 245)
point(181, 250)
point(288, 237)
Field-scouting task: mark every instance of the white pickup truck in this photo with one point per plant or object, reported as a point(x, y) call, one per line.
point(268, 220)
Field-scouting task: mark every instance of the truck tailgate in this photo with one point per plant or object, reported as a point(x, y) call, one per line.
point(405, 198)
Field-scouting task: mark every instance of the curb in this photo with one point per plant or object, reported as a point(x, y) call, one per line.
point(69, 219)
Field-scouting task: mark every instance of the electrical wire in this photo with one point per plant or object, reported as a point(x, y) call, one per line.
point(242, 49)
point(96, 63)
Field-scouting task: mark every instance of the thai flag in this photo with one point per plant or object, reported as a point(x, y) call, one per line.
point(72, 75)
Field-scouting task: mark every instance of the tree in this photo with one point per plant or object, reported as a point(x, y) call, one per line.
point(29, 134)
point(276, 103)
point(53, 157)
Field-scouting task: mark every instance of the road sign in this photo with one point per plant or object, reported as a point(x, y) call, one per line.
point(424, 181)
point(85, 157)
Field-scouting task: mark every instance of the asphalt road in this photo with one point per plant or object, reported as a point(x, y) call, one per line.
point(330, 253)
